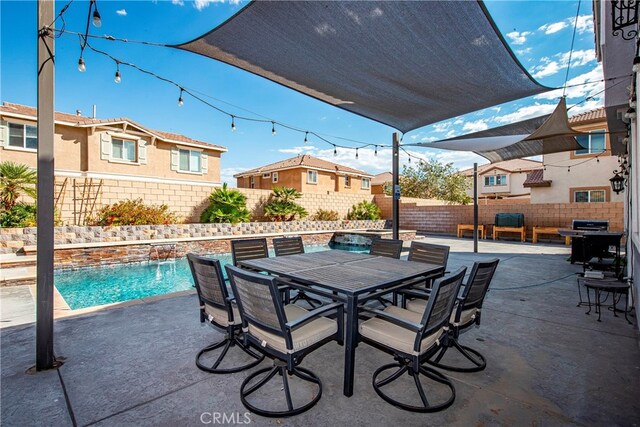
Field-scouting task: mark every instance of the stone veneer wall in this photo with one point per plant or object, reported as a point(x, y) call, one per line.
point(187, 201)
point(13, 239)
point(444, 219)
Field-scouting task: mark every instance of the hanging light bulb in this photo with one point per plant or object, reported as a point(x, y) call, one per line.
point(233, 124)
point(356, 153)
point(544, 167)
point(306, 140)
point(335, 151)
point(118, 77)
point(375, 150)
point(597, 159)
point(569, 169)
point(81, 65)
point(97, 22)
point(273, 128)
point(180, 100)
point(409, 159)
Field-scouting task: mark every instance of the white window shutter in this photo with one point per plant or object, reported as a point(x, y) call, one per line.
point(105, 147)
point(204, 162)
point(142, 152)
point(4, 133)
point(175, 159)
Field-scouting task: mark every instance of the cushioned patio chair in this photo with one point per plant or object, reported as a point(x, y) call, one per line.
point(391, 248)
point(466, 314)
point(285, 333)
point(290, 246)
point(248, 249)
point(427, 253)
point(412, 338)
point(218, 308)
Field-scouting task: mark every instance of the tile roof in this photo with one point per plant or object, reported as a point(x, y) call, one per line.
point(31, 112)
point(536, 179)
point(589, 116)
point(381, 178)
point(304, 161)
point(515, 165)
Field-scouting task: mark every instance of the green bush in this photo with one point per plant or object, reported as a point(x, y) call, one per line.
point(226, 206)
point(20, 215)
point(326, 215)
point(364, 210)
point(282, 205)
point(15, 180)
point(133, 212)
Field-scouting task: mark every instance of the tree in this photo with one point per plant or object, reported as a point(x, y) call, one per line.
point(226, 206)
point(433, 180)
point(15, 179)
point(282, 205)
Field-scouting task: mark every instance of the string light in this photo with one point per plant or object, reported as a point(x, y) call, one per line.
point(375, 150)
point(273, 128)
point(81, 65)
point(306, 139)
point(597, 159)
point(335, 151)
point(409, 159)
point(180, 100)
point(233, 123)
point(356, 153)
point(569, 169)
point(118, 77)
point(97, 22)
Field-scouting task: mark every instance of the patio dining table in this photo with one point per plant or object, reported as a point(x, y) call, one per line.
point(347, 276)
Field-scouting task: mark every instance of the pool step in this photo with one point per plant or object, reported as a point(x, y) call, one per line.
point(13, 260)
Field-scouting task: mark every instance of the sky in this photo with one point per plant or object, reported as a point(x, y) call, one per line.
point(539, 33)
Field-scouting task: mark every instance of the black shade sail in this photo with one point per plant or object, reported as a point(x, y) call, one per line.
point(533, 137)
point(406, 64)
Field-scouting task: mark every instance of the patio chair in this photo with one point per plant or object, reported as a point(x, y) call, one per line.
point(284, 333)
point(218, 308)
point(391, 248)
point(427, 253)
point(248, 249)
point(467, 314)
point(290, 246)
point(412, 338)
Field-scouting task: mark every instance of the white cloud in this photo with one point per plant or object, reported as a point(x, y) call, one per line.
point(579, 86)
point(518, 38)
point(480, 41)
point(376, 12)
point(442, 127)
point(554, 27)
point(306, 149)
point(584, 24)
point(121, 12)
point(545, 70)
point(526, 112)
point(578, 57)
point(523, 51)
point(548, 67)
point(226, 175)
point(324, 28)
point(475, 126)
point(201, 4)
point(177, 2)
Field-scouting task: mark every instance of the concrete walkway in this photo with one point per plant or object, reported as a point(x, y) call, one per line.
point(548, 363)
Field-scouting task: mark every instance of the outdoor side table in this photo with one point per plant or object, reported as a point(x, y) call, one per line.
point(613, 288)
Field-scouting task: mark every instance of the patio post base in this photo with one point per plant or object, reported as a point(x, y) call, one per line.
point(226, 344)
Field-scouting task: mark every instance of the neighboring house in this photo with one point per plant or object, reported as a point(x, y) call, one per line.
point(379, 181)
point(307, 174)
point(503, 179)
point(580, 176)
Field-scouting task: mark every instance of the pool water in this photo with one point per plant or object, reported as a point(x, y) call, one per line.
point(89, 287)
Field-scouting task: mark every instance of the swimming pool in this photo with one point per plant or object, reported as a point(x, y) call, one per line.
point(90, 287)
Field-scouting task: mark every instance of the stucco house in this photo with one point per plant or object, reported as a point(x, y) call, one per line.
point(502, 180)
point(307, 174)
point(379, 181)
point(580, 176)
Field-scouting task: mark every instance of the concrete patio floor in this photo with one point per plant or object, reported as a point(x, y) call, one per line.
point(547, 362)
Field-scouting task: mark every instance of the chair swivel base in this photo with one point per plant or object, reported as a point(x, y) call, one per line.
point(472, 355)
point(269, 373)
point(426, 371)
point(226, 344)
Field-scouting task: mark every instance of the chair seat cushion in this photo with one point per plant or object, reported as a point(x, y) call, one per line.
point(303, 337)
point(395, 336)
point(221, 317)
point(466, 317)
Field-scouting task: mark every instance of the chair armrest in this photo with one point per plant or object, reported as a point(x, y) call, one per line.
point(415, 327)
point(313, 314)
point(417, 293)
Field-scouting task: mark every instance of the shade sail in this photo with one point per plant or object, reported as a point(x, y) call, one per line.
point(404, 64)
point(533, 137)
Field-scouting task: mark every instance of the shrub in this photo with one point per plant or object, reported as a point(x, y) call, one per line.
point(20, 215)
point(15, 179)
point(226, 206)
point(326, 215)
point(282, 205)
point(364, 210)
point(133, 212)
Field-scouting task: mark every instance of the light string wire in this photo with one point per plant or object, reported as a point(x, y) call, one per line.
point(573, 39)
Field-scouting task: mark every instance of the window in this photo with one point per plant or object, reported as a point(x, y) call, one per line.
point(366, 184)
point(312, 177)
point(592, 143)
point(589, 196)
point(23, 136)
point(490, 181)
point(252, 182)
point(190, 161)
point(266, 175)
point(347, 181)
point(122, 149)
point(274, 177)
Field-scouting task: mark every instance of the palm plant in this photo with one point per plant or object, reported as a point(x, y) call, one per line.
point(226, 206)
point(15, 180)
point(282, 205)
